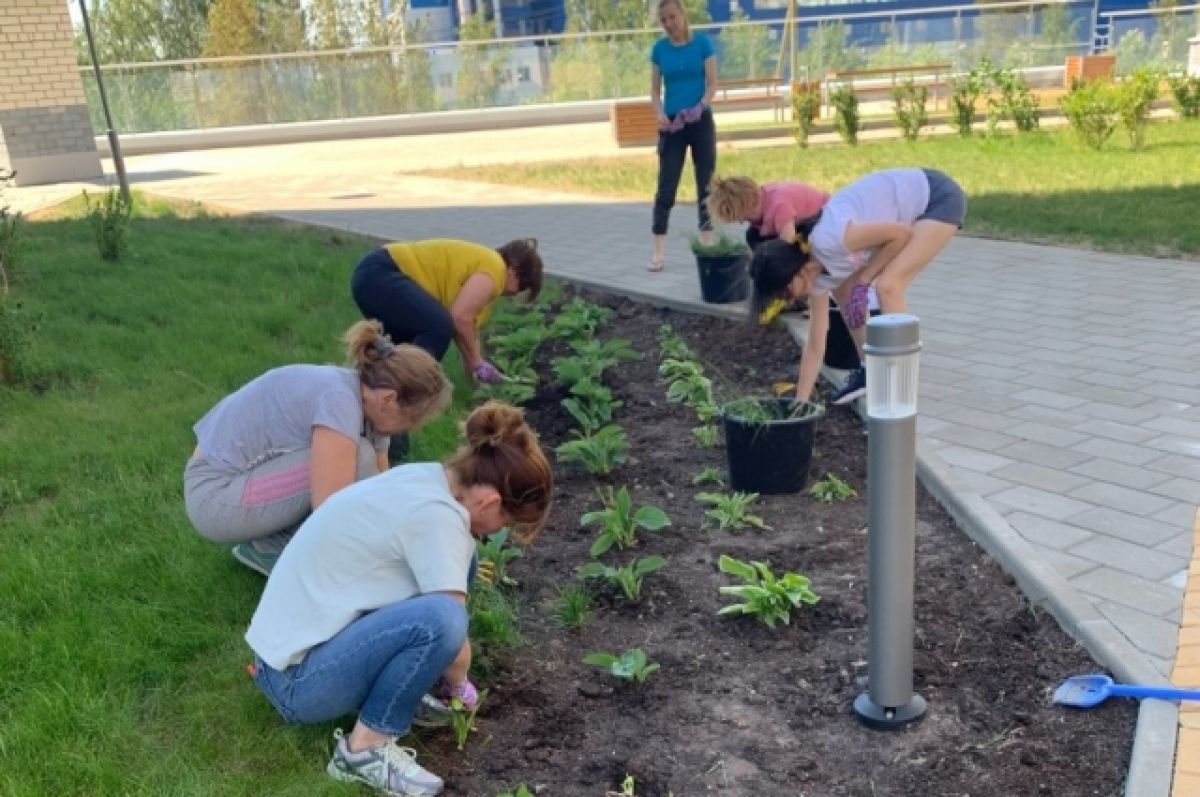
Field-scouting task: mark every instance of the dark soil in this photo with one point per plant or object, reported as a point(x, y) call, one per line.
point(738, 708)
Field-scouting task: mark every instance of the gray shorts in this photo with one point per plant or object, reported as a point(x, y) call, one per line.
point(947, 202)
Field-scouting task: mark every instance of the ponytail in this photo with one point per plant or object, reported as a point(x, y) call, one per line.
point(422, 388)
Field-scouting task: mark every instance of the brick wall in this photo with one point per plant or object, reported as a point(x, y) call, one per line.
point(45, 132)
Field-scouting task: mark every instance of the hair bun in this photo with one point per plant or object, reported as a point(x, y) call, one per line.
point(494, 424)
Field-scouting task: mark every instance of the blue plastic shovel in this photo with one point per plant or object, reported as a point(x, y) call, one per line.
point(1085, 691)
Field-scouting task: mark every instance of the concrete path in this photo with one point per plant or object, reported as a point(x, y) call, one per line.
point(1060, 389)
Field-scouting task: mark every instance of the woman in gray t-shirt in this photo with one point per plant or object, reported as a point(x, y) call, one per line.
point(881, 230)
point(273, 450)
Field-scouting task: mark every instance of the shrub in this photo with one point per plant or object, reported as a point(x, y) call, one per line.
point(845, 106)
point(110, 221)
point(1134, 96)
point(908, 102)
point(806, 104)
point(1091, 108)
point(964, 93)
point(1185, 92)
point(10, 233)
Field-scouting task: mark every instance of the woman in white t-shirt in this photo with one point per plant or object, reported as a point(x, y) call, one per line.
point(270, 452)
point(881, 230)
point(365, 610)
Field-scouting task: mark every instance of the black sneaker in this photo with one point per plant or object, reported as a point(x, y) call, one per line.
point(854, 386)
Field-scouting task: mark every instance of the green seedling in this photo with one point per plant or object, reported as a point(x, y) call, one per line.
point(462, 718)
point(672, 346)
point(620, 521)
point(521, 791)
point(831, 489)
point(598, 452)
point(631, 666)
point(493, 626)
point(755, 410)
point(708, 476)
point(731, 510)
point(706, 435)
point(627, 786)
point(591, 404)
point(514, 390)
point(572, 370)
point(519, 346)
point(495, 552)
point(579, 319)
point(764, 596)
point(573, 608)
point(693, 390)
point(707, 411)
point(607, 354)
point(628, 577)
point(671, 369)
point(507, 315)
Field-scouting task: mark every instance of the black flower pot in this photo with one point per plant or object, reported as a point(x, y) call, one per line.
point(769, 448)
point(723, 278)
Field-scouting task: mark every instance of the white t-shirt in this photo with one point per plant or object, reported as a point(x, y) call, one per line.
point(377, 542)
point(895, 195)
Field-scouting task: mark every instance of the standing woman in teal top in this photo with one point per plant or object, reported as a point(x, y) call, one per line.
point(686, 64)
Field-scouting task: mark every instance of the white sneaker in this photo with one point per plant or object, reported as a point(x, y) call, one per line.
point(390, 768)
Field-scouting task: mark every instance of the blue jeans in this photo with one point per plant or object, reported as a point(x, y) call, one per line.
point(379, 666)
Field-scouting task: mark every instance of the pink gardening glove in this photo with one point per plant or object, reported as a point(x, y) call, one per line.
point(488, 373)
point(856, 309)
point(465, 691)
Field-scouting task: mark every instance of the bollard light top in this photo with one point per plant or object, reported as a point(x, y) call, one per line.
point(893, 335)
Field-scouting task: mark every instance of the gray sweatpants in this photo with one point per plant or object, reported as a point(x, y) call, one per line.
point(270, 497)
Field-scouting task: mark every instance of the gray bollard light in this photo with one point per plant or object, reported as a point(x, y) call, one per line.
point(892, 350)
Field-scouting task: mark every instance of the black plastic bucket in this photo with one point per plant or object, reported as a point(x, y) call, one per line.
point(769, 456)
point(723, 278)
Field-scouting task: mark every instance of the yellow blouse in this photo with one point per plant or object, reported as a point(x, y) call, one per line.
point(441, 266)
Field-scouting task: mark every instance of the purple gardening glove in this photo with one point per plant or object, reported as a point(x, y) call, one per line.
point(488, 373)
point(693, 114)
point(466, 692)
point(855, 311)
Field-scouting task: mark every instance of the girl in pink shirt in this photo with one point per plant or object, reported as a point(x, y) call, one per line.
point(771, 209)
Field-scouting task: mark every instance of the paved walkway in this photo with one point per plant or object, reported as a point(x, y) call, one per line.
point(1060, 389)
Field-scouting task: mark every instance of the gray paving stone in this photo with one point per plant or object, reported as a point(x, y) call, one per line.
point(1148, 633)
point(1115, 381)
point(1121, 432)
point(971, 458)
point(1050, 479)
point(982, 439)
point(981, 483)
point(1038, 454)
point(1128, 557)
point(978, 419)
point(1049, 398)
point(1178, 514)
point(1067, 566)
point(1114, 412)
point(1178, 545)
point(967, 396)
point(1107, 470)
point(1112, 449)
point(1039, 502)
point(1187, 446)
point(1047, 533)
point(1061, 419)
point(1126, 590)
point(934, 390)
point(1124, 525)
point(1177, 465)
point(1170, 392)
point(1044, 433)
point(1135, 502)
point(1182, 427)
point(926, 425)
point(1186, 490)
point(1177, 376)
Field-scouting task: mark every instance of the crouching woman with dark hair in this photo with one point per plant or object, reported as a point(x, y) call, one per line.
point(365, 611)
point(881, 230)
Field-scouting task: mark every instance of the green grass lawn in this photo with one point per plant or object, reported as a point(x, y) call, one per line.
point(121, 653)
point(1043, 187)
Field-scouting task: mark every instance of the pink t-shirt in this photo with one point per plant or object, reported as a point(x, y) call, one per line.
point(784, 202)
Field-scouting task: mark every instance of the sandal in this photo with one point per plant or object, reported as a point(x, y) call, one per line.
point(656, 265)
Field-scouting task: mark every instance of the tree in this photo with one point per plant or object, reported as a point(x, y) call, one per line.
point(480, 68)
point(240, 91)
point(746, 50)
point(1059, 34)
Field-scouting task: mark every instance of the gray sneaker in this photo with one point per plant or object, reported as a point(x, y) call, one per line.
point(432, 713)
point(262, 554)
point(389, 768)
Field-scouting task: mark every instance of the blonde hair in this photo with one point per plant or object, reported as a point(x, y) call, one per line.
point(422, 388)
point(732, 198)
point(687, 28)
point(504, 453)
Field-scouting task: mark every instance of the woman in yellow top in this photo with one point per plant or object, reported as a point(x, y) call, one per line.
point(427, 292)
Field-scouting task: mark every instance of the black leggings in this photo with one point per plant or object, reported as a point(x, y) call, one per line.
point(701, 136)
point(408, 313)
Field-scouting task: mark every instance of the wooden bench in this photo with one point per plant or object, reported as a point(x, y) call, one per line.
point(634, 123)
point(753, 92)
point(935, 77)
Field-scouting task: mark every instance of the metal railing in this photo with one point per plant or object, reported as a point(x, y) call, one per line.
point(381, 81)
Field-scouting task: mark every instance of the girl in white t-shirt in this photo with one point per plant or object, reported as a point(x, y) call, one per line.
point(365, 611)
point(881, 230)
